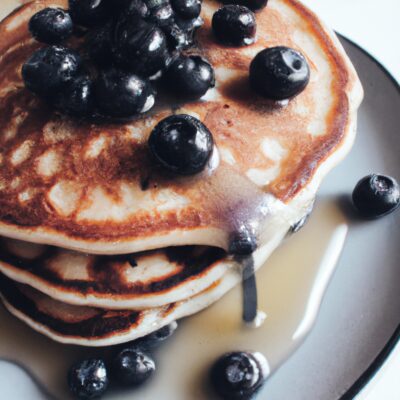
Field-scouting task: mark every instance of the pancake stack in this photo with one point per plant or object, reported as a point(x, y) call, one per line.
point(98, 247)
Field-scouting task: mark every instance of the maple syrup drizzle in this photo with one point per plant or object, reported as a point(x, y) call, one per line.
point(249, 288)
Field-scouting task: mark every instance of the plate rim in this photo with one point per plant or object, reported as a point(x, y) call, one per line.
point(374, 367)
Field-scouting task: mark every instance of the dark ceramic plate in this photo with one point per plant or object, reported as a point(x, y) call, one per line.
point(358, 324)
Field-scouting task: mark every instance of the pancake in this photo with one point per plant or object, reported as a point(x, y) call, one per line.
point(83, 208)
point(86, 326)
point(71, 324)
point(89, 326)
point(138, 281)
point(92, 187)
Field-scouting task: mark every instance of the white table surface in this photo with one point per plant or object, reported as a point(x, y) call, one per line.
point(385, 385)
point(375, 26)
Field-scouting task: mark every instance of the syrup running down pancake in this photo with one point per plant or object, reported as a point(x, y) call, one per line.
point(139, 281)
point(97, 327)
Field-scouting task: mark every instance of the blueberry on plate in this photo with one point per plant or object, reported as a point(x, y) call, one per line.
point(238, 375)
point(376, 195)
point(187, 9)
point(51, 25)
point(88, 379)
point(120, 94)
point(181, 144)
point(140, 46)
point(132, 367)
point(254, 5)
point(49, 68)
point(76, 98)
point(154, 339)
point(234, 25)
point(279, 73)
point(190, 76)
point(90, 13)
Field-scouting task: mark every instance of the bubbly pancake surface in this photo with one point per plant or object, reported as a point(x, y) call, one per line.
point(93, 187)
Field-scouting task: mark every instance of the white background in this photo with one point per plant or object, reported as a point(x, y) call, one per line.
point(375, 26)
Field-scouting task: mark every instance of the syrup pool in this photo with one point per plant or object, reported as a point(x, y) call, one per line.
point(290, 288)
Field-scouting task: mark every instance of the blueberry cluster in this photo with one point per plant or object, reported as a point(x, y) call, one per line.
point(127, 46)
point(130, 367)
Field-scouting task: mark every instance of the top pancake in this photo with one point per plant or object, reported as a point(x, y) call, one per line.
point(93, 187)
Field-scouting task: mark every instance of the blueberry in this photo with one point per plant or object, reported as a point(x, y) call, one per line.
point(234, 25)
point(376, 195)
point(129, 6)
point(154, 339)
point(190, 76)
point(151, 4)
point(238, 375)
point(189, 28)
point(90, 12)
point(181, 144)
point(99, 45)
point(189, 25)
point(121, 94)
point(254, 5)
point(88, 379)
point(242, 242)
point(161, 16)
point(187, 9)
point(139, 7)
point(177, 38)
point(76, 98)
point(279, 73)
point(132, 367)
point(51, 25)
point(140, 46)
point(49, 68)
